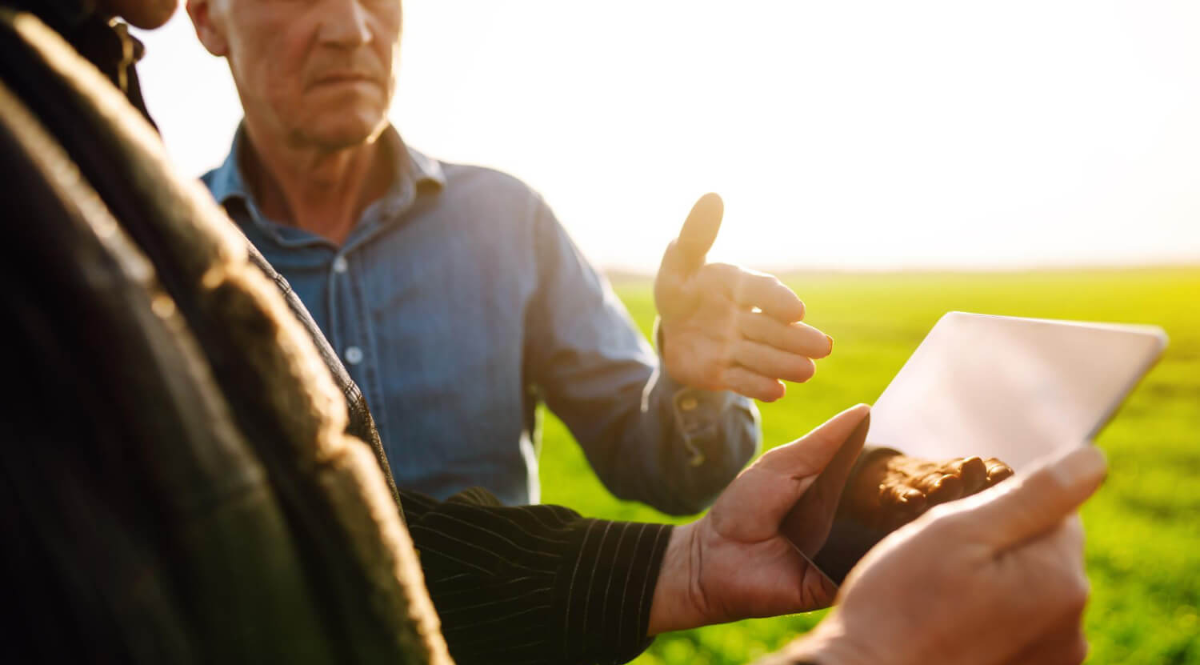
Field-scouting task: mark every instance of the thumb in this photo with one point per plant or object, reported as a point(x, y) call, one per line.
point(773, 486)
point(808, 523)
point(699, 231)
point(810, 454)
point(1037, 503)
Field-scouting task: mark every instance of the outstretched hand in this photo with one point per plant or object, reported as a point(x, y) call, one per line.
point(743, 559)
point(725, 327)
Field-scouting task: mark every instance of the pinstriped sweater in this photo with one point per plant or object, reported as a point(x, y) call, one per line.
point(535, 584)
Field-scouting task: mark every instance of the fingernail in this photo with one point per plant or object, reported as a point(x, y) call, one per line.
point(1084, 464)
point(830, 343)
point(947, 488)
point(913, 499)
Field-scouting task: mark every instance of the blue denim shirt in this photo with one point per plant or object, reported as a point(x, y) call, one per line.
point(457, 303)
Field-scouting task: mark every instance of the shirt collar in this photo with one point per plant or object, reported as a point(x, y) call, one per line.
point(228, 182)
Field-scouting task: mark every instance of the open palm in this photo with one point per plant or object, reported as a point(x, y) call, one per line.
point(725, 327)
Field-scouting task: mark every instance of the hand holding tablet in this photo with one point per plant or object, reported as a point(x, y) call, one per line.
point(983, 394)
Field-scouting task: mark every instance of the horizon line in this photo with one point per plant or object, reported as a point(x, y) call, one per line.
point(615, 273)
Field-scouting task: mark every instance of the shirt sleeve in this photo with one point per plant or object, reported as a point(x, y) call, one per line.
point(649, 438)
point(535, 584)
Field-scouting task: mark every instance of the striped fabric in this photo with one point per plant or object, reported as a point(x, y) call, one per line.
point(535, 584)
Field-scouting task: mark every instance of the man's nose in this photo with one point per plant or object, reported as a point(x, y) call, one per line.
point(345, 23)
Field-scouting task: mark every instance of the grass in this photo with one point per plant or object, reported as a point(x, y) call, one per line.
point(1143, 550)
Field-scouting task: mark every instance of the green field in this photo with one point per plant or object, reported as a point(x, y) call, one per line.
point(1143, 548)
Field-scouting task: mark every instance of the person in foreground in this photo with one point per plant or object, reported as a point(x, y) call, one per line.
point(264, 533)
point(458, 301)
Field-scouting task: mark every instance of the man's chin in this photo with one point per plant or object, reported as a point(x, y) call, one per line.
point(342, 135)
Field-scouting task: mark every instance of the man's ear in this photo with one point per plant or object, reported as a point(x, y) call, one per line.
point(209, 25)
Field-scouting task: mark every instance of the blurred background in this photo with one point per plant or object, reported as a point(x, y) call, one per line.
point(895, 160)
point(867, 134)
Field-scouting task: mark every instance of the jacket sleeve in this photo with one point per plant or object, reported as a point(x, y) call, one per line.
point(649, 438)
point(535, 584)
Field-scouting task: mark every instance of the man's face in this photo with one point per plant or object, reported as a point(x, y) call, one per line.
point(145, 14)
point(317, 72)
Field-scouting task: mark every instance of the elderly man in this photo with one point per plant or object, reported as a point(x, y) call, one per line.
point(457, 300)
point(201, 503)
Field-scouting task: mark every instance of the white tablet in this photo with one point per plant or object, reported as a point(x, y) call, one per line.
point(1012, 388)
point(997, 386)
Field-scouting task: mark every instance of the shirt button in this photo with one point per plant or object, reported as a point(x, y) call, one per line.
point(340, 265)
point(688, 404)
point(354, 355)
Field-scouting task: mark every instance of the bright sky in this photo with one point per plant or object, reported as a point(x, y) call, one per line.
point(868, 134)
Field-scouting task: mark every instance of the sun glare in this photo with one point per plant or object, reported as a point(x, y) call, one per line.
point(841, 135)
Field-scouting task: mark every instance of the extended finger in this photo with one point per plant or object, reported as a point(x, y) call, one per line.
point(753, 290)
point(997, 471)
point(798, 338)
point(773, 363)
point(699, 231)
point(943, 487)
point(903, 500)
point(973, 473)
point(1030, 505)
point(755, 386)
point(899, 506)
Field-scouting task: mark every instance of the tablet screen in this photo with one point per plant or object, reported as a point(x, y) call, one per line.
point(990, 386)
point(1011, 388)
